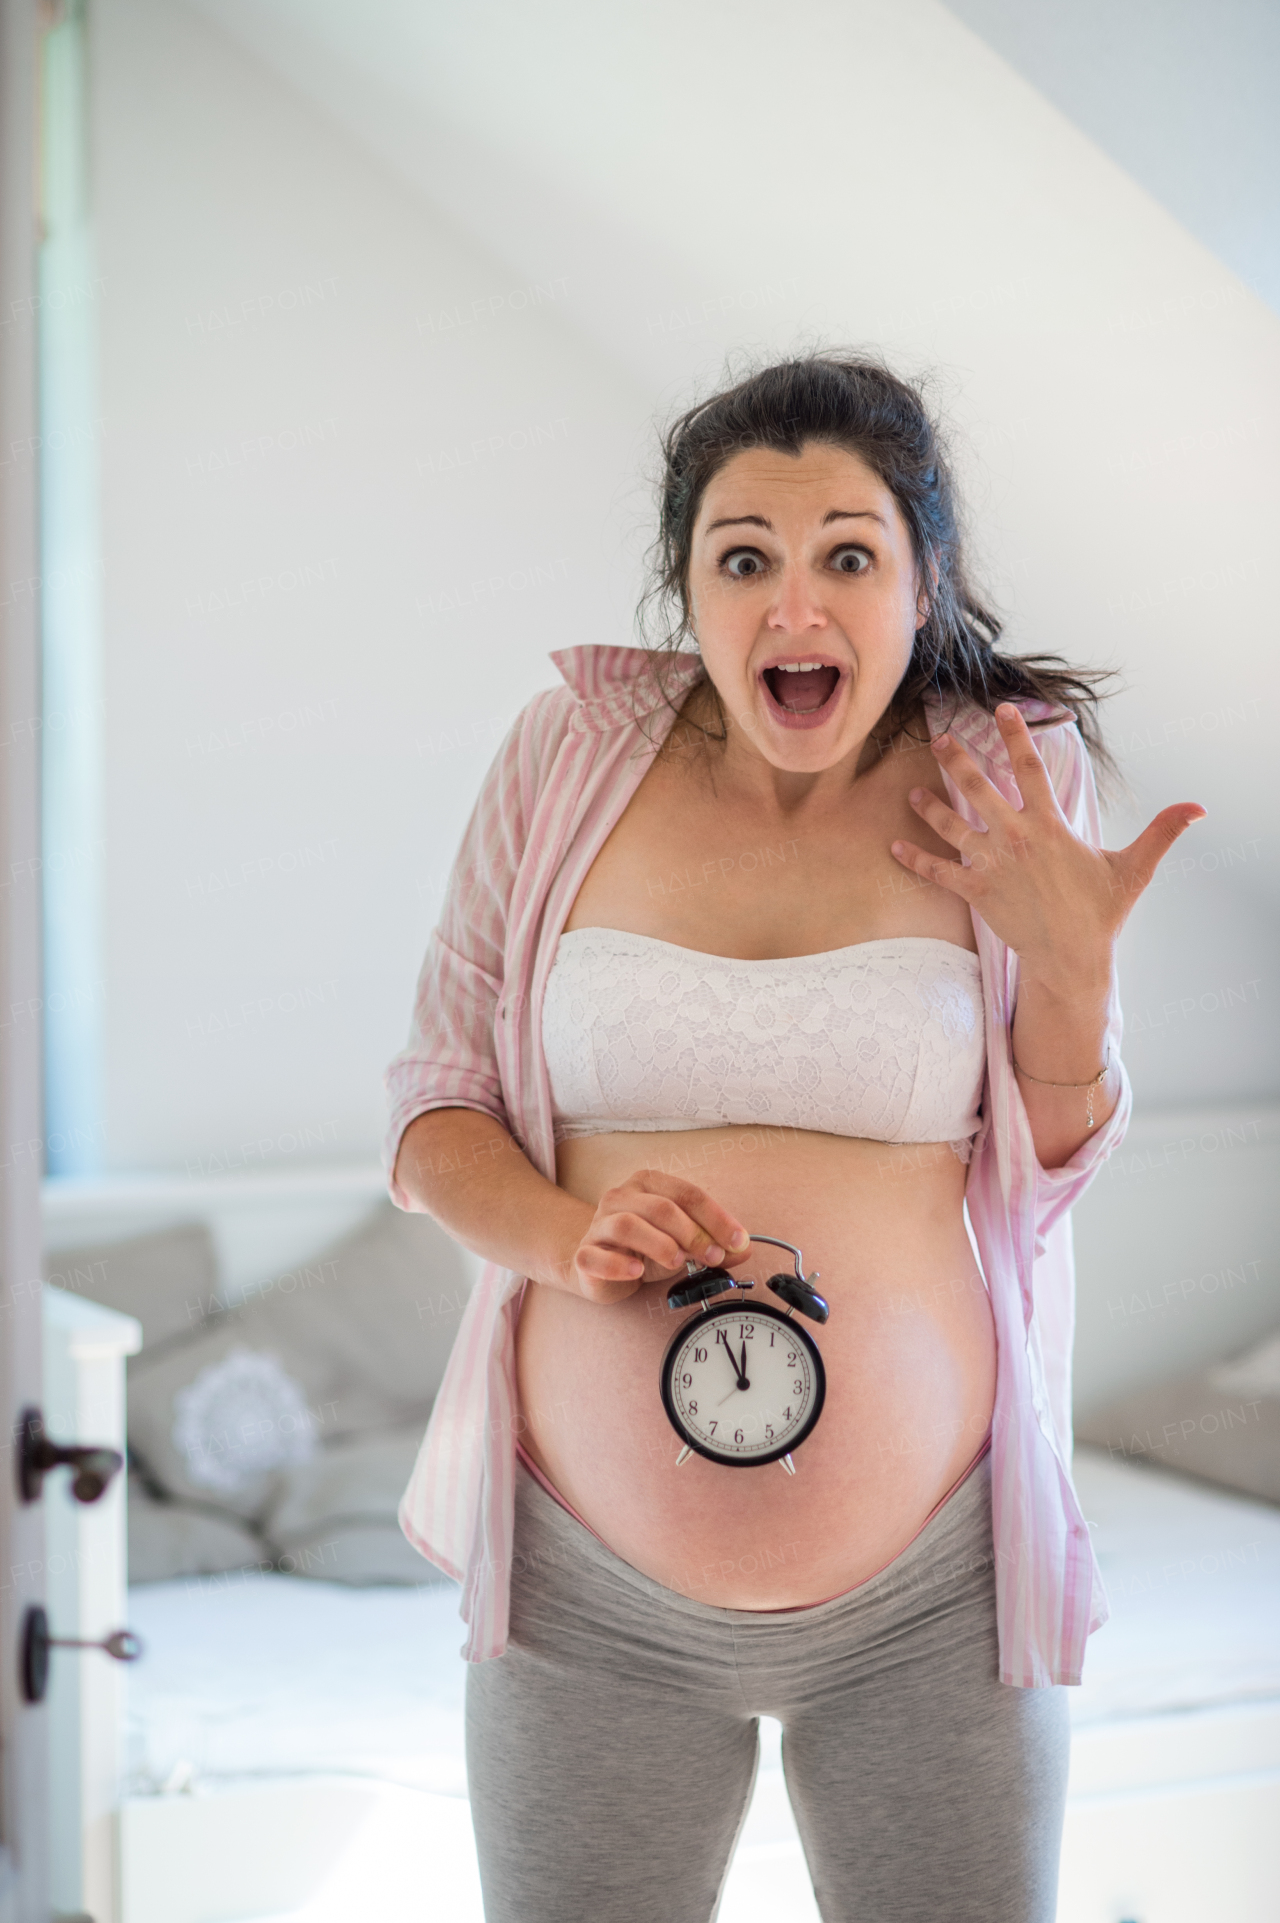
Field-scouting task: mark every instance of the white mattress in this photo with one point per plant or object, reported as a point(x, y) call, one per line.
point(260, 1676)
point(264, 1676)
point(1193, 1579)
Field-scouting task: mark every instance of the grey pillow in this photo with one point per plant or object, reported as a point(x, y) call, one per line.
point(168, 1539)
point(166, 1279)
point(352, 1342)
point(337, 1523)
point(1221, 1423)
point(219, 1419)
point(361, 1554)
point(335, 1518)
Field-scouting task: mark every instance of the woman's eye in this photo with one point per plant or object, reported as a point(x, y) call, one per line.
point(851, 560)
point(741, 563)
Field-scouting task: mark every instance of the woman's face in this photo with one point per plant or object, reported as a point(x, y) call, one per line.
point(803, 562)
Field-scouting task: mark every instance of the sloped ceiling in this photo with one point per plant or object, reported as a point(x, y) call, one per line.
point(1183, 95)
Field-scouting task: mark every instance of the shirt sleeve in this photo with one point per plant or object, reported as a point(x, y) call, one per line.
point(451, 1060)
point(1069, 768)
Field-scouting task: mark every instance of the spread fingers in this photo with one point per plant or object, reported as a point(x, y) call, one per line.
point(944, 821)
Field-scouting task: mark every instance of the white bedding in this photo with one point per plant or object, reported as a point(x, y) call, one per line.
point(1193, 1578)
point(258, 1676)
point(254, 1676)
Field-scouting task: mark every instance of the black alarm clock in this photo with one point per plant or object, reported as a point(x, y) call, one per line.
point(744, 1384)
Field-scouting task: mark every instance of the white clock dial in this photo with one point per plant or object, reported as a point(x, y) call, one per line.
point(743, 1385)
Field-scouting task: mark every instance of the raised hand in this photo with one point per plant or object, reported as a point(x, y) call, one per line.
point(1052, 897)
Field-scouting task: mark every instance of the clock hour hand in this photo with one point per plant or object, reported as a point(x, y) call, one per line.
point(742, 1382)
point(738, 1370)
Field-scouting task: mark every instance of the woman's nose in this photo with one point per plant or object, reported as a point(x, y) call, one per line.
point(796, 608)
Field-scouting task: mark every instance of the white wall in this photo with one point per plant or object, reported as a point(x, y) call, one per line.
point(317, 624)
point(536, 226)
point(1176, 1255)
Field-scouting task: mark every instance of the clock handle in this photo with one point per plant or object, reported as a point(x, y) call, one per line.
point(777, 1243)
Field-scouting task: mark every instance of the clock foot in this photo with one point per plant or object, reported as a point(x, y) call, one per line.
point(686, 1451)
point(785, 1462)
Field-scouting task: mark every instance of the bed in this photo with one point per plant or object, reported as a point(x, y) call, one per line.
point(329, 1721)
point(294, 1747)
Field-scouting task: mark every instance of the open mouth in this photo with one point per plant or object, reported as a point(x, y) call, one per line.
point(805, 692)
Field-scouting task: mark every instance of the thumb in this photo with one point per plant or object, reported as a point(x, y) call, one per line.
point(1137, 863)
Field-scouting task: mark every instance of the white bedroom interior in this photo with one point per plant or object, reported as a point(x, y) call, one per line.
point(357, 322)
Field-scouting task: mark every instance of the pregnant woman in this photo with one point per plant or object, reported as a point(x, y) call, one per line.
point(797, 925)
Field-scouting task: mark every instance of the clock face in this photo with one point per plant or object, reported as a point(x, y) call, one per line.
point(742, 1385)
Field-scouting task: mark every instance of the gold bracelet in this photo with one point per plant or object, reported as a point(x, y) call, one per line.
point(1101, 1076)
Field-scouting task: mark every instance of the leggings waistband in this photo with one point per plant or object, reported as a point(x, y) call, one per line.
point(792, 1609)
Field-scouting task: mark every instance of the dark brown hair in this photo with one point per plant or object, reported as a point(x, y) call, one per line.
point(856, 403)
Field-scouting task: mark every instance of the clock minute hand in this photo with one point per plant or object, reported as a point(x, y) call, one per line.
point(740, 1370)
point(741, 1382)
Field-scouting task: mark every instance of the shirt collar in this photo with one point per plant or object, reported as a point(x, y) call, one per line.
point(616, 684)
point(979, 731)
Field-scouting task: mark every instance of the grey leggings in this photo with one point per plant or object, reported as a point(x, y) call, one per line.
point(612, 1750)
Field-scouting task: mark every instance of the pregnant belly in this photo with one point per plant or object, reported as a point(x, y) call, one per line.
point(909, 1354)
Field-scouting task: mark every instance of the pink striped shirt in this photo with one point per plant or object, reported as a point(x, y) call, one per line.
point(559, 783)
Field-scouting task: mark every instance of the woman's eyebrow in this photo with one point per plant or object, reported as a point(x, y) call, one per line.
point(832, 514)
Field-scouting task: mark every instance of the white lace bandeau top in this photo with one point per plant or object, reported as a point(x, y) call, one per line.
point(885, 1040)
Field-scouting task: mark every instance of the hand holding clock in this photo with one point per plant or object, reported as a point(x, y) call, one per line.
point(644, 1230)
